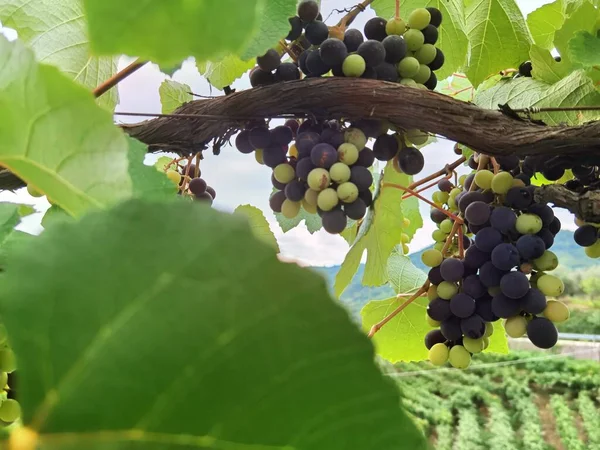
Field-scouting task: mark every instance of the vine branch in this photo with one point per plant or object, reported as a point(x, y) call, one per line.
point(118, 77)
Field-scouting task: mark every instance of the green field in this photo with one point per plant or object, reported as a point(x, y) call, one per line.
point(521, 401)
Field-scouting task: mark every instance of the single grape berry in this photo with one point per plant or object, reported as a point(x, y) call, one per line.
point(419, 18)
point(411, 160)
point(354, 66)
point(324, 155)
point(431, 34)
point(295, 28)
point(375, 29)
point(259, 77)
point(373, 52)
point(242, 142)
point(352, 39)
point(269, 61)
point(514, 285)
point(316, 32)
point(436, 16)
point(315, 65)
point(260, 137)
point(586, 236)
point(542, 333)
point(414, 39)
point(334, 222)
point(308, 10)
point(276, 201)
point(333, 52)
point(387, 72)
point(395, 26)
point(385, 147)
point(438, 61)
point(287, 72)
point(395, 48)
point(197, 186)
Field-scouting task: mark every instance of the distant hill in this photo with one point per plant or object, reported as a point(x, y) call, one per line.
point(570, 255)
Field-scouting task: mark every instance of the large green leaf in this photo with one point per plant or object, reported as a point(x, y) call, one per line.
point(56, 138)
point(584, 49)
point(147, 181)
point(312, 221)
point(544, 21)
point(209, 343)
point(9, 219)
point(403, 276)
point(224, 71)
point(452, 38)
point(498, 38)
point(545, 67)
point(378, 235)
point(582, 19)
point(168, 31)
point(457, 86)
point(259, 225)
point(173, 95)
point(56, 30)
point(411, 211)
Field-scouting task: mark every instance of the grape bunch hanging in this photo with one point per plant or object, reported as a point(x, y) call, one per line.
point(10, 410)
point(394, 50)
point(498, 274)
point(188, 179)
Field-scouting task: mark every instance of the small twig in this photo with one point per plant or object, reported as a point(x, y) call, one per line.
point(453, 232)
point(203, 96)
point(420, 197)
point(439, 173)
point(375, 328)
point(348, 18)
point(118, 77)
point(461, 247)
point(482, 164)
point(495, 165)
point(430, 185)
point(209, 116)
point(397, 16)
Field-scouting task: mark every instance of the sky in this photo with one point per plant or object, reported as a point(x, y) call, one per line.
point(237, 178)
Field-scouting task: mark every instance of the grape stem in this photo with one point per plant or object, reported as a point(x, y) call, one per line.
point(118, 77)
point(481, 165)
point(430, 185)
point(420, 197)
point(453, 233)
point(461, 247)
point(397, 16)
point(375, 328)
point(447, 168)
point(348, 18)
point(495, 165)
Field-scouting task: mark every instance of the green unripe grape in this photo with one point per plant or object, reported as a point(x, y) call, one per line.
point(443, 196)
point(439, 246)
point(10, 410)
point(347, 192)
point(309, 208)
point(408, 67)
point(408, 82)
point(459, 357)
point(258, 155)
point(35, 193)
point(8, 362)
point(423, 74)
point(356, 137)
point(395, 26)
point(406, 222)
point(290, 209)
point(340, 172)
point(432, 323)
point(556, 311)
point(310, 197)
point(327, 199)
point(426, 54)
point(502, 182)
point(438, 354)
point(550, 285)
point(419, 19)
point(439, 236)
point(422, 87)
point(4, 379)
point(416, 136)
point(414, 39)
point(548, 261)
point(489, 330)
point(318, 179)
point(462, 179)
point(284, 173)
point(454, 192)
point(348, 153)
point(483, 179)
point(486, 342)
point(516, 326)
point(593, 251)
point(432, 293)
point(446, 226)
point(353, 66)
point(447, 290)
point(432, 258)
point(405, 249)
point(529, 223)
point(473, 345)
point(404, 238)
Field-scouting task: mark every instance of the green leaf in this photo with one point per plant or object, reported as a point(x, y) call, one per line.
point(584, 49)
point(544, 21)
point(26, 210)
point(258, 224)
point(168, 32)
point(349, 234)
point(498, 38)
point(173, 95)
point(9, 219)
point(540, 180)
point(403, 276)
point(498, 340)
point(411, 211)
point(452, 37)
point(196, 346)
point(55, 214)
point(82, 168)
point(312, 221)
point(272, 26)
point(56, 30)
point(379, 233)
point(170, 69)
point(545, 67)
point(457, 86)
point(224, 71)
point(147, 181)
point(162, 162)
point(582, 19)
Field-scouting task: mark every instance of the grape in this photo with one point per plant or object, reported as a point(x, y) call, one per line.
point(373, 52)
point(516, 326)
point(439, 236)
point(503, 219)
point(483, 307)
point(347, 153)
point(473, 326)
point(519, 198)
point(528, 224)
point(318, 179)
point(553, 173)
point(369, 73)
point(315, 65)
point(548, 261)
point(295, 190)
point(483, 179)
point(439, 310)
point(487, 239)
point(416, 136)
point(316, 32)
point(508, 162)
point(514, 285)
point(543, 211)
point(419, 18)
point(435, 275)
point(311, 196)
point(409, 67)
point(259, 77)
point(273, 156)
point(395, 49)
point(450, 328)
point(473, 345)
point(459, 357)
point(366, 196)
point(593, 251)
point(466, 198)
point(385, 147)
point(333, 137)
point(386, 72)
point(550, 285)
point(478, 213)
point(446, 225)
point(545, 235)
point(447, 290)
point(542, 333)
point(534, 302)
point(505, 307)
point(375, 28)
point(260, 137)
point(431, 34)
point(586, 235)
point(462, 305)
point(475, 258)
point(434, 337)
point(426, 54)
point(361, 177)
point(414, 39)
point(530, 247)
point(295, 28)
point(408, 82)
point(353, 38)
point(277, 184)
point(410, 160)
point(489, 275)
point(438, 354)
point(303, 168)
point(197, 186)
point(505, 257)
point(395, 26)
point(327, 199)
point(172, 175)
point(556, 311)
point(308, 10)
point(356, 210)
point(502, 182)
point(473, 287)
point(242, 142)
point(421, 77)
point(258, 156)
point(281, 135)
point(284, 173)
point(333, 52)
point(324, 155)
point(305, 143)
point(436, 16)
point(269, 61)
point(436, 215)
point(452, 269)
point(334, 222)
point(355, 137)
point(10, 410)
point(347, 192)
point(302, 61)
point(432, 82)
point(8, 362)
point(339, 172)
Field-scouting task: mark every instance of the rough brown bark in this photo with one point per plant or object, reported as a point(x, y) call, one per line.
point(585, 206)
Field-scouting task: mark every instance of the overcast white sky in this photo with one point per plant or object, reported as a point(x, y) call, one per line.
point(238, 179)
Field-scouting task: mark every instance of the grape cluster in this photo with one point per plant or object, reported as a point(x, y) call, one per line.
point(394, 50)
point(10, 410)
point(193, 185)
point(503, 274)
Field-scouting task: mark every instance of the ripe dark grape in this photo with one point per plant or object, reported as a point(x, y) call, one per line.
point(439, 309)
point(473, 327)
point(295, 28)
point(530, 247)
point(385, 147)
point(276, 201)
point(553, 173)
point(586, 235)
point(375, 29)
point(294, 191)
point(305, 143)
point(542, 333)
point(273, 156)
point(431, 84)
point(434, 337)
point(487, 239)
point(242, 142)
point(197, 186)
point(204, 197)
point(505, 307)
point(525, 69)
point(333, 137)
point(324, 155)
point(303, 168)
point(287, 72)
point(366, 196)
point(519, 198)
point(369, 73)
point(366, 158)
point(555, 226)
point(386, 72)
point(281, 135)
point(483, 307)
point(505, 256)
point(356, 210)
point(334, 221)
point(308, 10)
point(546, 235)
point(395, 48)
point(333, 52)
point(436, 16)
point(503, 219)
point(450, 328)
point(514, 285)
point(302, 61)
point(490, 275)
point(212, 192)
point(353, 38)
point(316, 32)
point(259, 77)
point(477, 213)
point(315, 65)
point(361, 177)
point(438, 61)
point(445, 185)
point(462, 305)
point(260, 137)
point(410, 160)
point(372, 51)
point(472, 286)
point(431, 34)
point(435, 275)
point(452, 269)
point(269, 61)
point(437, 216)
point(534, 302)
